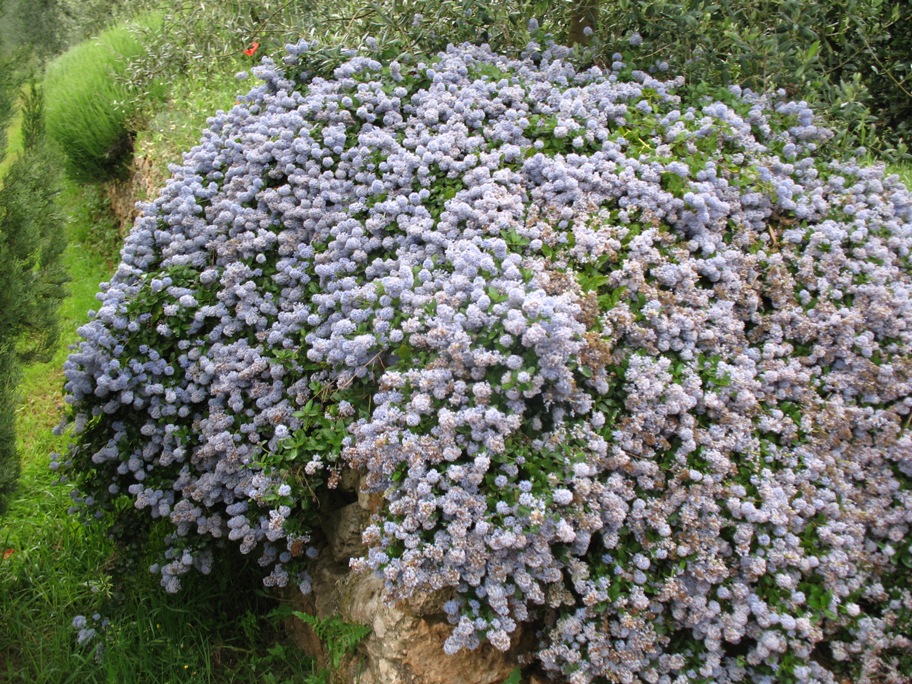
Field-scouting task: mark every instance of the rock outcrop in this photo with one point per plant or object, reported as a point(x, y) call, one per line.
point(405, 645)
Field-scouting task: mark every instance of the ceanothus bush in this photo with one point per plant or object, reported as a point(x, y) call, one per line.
point(636, 371)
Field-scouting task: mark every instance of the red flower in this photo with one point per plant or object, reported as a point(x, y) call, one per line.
point(8, 552)
point(254, 46)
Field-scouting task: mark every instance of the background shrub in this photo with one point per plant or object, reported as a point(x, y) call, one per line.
point(632, 365)
point(9, 461)
point(32, 278)
point(886, 70)
point(211, 37)
point(91, 111)
point(10, 80)
point(39, 30)
point(33, 26)
point(851, 58)
point(9, 464)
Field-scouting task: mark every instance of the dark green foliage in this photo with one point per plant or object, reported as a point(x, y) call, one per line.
point(9, 83)
point(45, 28)
point(36, 25)
point(584, 17)
point(9, 466)
point(854, 57)
point(32, 277)
point(33, 128)
point(887, 71)
point(31, 243)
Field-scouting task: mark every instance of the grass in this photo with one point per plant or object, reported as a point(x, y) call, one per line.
point(49, 563)
point(53, 566)
point(90, 109)
point(904, 171)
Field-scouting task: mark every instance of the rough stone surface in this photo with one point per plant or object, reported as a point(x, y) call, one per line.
point(303, 634)
point(405, 645)
point(343, 529)
point(145, 179)
point(369, 501)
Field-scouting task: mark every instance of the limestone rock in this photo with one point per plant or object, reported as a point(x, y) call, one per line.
point(405, 645)
point(343, 528)
point(369, 501)
point(349, 480)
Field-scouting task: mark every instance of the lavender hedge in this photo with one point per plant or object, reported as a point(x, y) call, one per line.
point(634, 370)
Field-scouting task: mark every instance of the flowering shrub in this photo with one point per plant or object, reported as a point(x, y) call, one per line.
point(635, 369)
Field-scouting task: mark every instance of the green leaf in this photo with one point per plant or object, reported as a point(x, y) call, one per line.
point(404, 352)
point(812, 51)
point(496, 295)
point(515, 677)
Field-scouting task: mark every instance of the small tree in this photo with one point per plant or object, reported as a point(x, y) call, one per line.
point(7, 459)
point(36, 26)
point(8, 86)
point(32, 277)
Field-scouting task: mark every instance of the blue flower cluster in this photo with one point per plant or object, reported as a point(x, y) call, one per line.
point(635, 370)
